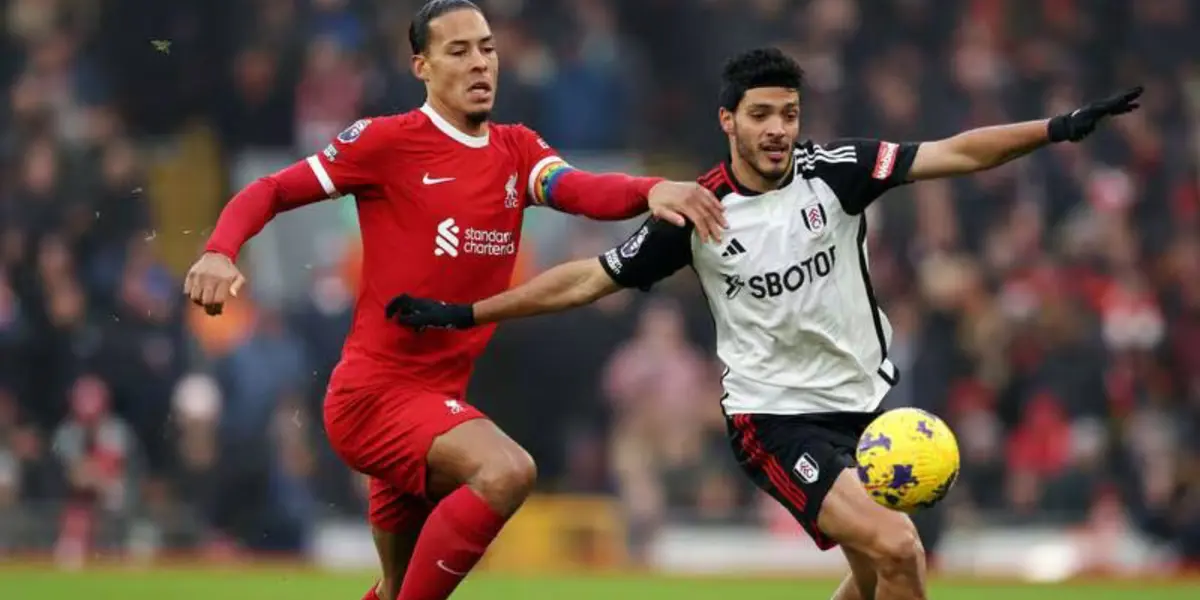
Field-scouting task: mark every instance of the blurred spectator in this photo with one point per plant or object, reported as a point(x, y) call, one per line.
point(665, 434)
point(99, 455)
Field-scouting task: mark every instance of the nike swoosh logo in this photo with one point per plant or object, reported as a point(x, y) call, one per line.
point(442, 565)
point(427, 180)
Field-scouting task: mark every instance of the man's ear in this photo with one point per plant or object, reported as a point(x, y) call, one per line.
point(725, 117)
point(420, 67)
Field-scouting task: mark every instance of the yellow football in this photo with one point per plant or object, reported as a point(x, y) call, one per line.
point(908, 459)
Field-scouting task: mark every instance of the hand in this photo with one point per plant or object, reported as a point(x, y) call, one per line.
point(212, 281)
point(422, 313)
point(1082, 122)
point(680, 202)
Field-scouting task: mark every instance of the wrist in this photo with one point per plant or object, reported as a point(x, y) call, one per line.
point(464, 316)
point(214, 248)
point(646, 185)
point(1058, 129)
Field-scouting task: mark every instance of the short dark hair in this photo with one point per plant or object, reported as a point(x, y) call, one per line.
point(761, 67)
point(418, 31)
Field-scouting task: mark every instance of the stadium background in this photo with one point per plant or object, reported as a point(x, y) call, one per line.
point(1050, 310)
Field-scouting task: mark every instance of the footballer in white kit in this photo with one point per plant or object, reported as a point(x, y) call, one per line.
point(802, 339)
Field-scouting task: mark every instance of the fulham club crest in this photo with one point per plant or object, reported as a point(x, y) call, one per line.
point(814, 217)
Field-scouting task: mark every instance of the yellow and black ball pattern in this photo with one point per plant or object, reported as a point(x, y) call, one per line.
point(908, 459)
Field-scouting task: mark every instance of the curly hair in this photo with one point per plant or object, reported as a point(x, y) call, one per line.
point(761, 67)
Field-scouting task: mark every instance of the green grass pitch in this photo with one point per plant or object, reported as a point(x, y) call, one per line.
point(293, 584)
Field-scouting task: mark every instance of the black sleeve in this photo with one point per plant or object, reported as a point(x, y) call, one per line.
point(861, 170)
point(654, 252)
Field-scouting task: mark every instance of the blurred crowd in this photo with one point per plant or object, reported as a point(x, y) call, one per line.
point(1050, 309)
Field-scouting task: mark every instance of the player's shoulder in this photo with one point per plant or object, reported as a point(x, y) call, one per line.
point(812, 157)
point(718, 181)
point(832, 148)
point(379, 129)
point(517, 134)
point(407, 124)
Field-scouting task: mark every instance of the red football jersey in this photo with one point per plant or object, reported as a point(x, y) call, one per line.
point(440, 213)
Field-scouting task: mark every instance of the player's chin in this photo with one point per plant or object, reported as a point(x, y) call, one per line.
point(478, 108)
point(772, 169)
point(479, 116)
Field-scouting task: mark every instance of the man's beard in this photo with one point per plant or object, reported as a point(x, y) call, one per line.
point(749, 154)
point(478, 118)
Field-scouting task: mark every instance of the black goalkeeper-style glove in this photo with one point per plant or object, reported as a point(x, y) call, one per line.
point(1081, 122)
point(422, 313)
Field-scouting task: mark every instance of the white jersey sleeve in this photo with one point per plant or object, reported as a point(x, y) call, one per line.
point(654, 252)
point(858, 170)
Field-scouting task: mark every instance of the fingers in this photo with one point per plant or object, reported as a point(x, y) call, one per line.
point(1133, 93)
point(237, 284)
point(211, 292)
point(702, 208)
point(401, 306)
point(709, 215)
point(713, 205)
point(220, 295)
point(707, 227)
point(1123, 102)
point(189, 282)
point(671, 217)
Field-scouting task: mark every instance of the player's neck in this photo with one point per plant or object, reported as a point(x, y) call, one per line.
point(748, 177)
point(457, 119)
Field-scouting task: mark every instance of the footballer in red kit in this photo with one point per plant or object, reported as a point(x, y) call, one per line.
point(441, 194)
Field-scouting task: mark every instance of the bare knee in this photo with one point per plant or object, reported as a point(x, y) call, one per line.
point(896, 546)
point(505, 480)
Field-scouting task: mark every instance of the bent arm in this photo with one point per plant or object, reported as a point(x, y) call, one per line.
point(978, 149)
point(252, 208)
point(560, 288)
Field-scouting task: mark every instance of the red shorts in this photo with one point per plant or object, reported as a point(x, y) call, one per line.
point(386, 434)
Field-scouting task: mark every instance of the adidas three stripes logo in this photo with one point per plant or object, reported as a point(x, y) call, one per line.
point(733, 249)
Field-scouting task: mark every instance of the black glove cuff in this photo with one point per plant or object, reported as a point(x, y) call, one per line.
point(462, 316)
point(1059, 129)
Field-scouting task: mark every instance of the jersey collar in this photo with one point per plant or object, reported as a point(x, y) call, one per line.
point(473, 141)
point(742, 190)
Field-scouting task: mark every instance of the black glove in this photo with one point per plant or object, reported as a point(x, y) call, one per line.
point(1080, 123)
point(422, 313)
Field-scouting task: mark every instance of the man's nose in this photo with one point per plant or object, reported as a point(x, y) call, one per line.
point(479, 62)
point(775, 128)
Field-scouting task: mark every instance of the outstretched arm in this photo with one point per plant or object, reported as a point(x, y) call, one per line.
point(651, 254)
point(563, 287)
point(615, 196)
point(988, 147)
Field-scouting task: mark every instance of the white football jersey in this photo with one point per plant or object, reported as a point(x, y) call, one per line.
point(798, 327)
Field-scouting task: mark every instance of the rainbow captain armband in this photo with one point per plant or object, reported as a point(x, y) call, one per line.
point(545, 175)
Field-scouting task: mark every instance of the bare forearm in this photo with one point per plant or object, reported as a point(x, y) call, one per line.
point(563, 287)
point(979, 149)
point(993, 146)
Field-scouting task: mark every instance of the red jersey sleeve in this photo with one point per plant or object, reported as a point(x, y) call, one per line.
point(351, 161)
point(543, 163)
point(556, 184)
